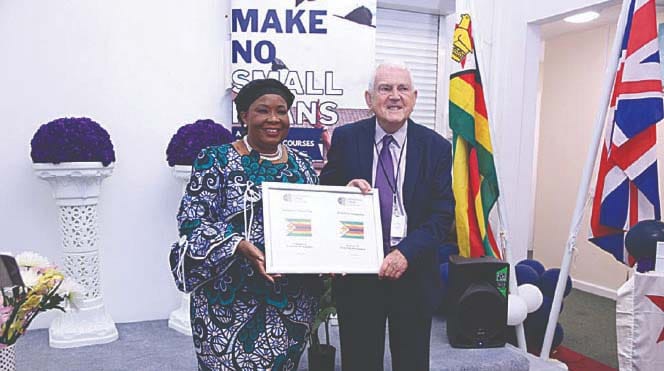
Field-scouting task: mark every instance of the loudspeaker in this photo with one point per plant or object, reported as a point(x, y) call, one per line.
point(477, 296)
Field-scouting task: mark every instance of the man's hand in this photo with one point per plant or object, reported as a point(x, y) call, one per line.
point(362, 184)
point(256, 258)
point(394, 266)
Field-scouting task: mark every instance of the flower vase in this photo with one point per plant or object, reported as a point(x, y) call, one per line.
point(8, 358)
point(76, 187)
point(180, 320)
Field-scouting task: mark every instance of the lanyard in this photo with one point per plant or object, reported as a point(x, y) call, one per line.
point(382, 166)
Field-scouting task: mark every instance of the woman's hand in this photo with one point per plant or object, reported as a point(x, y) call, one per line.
point(256, 258)
point(362, 184)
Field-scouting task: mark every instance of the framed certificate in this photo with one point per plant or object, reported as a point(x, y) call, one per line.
point(321, 229)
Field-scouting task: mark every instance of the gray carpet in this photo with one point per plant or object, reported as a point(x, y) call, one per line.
point(589, 325)
point(588, 322)
point(152, 345)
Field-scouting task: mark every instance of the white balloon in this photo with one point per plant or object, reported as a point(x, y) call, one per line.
point(517, 310)
point(532, 295)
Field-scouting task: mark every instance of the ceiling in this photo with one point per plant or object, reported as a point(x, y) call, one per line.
point(608, 14)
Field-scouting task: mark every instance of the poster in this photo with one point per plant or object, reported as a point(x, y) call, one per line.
point(322, 50)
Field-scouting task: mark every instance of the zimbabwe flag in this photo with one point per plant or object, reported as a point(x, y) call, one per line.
point(474, 179)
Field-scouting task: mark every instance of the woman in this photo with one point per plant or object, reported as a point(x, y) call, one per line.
point(243, 318)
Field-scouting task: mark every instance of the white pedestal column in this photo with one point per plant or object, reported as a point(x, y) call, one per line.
point(76, 187)
point(180, 320)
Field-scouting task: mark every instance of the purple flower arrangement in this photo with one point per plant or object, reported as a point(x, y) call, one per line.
point(191, 138)
point(75, 139)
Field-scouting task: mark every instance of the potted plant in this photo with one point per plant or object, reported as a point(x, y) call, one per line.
point(30, 285)
point(322, 356)
point(74, 155)
point(191, 138)
point(75, 139)
point(180, 155)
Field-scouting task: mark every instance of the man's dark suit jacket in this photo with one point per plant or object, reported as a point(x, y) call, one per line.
point(427, 193)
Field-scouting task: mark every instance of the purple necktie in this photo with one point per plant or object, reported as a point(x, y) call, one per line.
point(386, 184)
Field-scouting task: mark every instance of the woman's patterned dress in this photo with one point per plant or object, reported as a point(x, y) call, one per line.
point(240, 321)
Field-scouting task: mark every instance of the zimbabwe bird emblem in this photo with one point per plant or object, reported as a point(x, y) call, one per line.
point(462, 44)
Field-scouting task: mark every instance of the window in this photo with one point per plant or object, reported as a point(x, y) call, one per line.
point(413, 38)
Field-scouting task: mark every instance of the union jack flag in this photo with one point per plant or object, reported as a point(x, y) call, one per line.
point(627, 188)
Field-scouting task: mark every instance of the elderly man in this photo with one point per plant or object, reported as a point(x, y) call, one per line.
point(410, 165)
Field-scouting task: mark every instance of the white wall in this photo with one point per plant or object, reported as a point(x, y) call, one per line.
point(570, 95)
point(143, 68)
point(139, 68)
point(571, 92)
point(510, 32)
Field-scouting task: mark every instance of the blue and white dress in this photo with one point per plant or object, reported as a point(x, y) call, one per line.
point(240, 321)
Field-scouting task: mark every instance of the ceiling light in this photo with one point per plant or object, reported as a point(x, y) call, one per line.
point(582, 17)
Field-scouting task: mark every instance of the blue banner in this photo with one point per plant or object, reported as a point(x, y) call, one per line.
point(307, 140)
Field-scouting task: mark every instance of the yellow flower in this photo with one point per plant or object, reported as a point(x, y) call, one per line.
point(15, 327)
point(47, 281)
point(30, 305)
point(51, 275)
point(40, 279)
point(31, 302)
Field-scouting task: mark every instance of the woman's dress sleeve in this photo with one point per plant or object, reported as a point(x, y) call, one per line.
point(207, 241)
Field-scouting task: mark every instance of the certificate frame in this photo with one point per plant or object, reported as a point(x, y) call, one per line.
point(321, 229)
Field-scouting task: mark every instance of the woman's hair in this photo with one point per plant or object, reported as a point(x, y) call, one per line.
point(256, 89)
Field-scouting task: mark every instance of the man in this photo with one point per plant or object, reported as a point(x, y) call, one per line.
point(410, 165)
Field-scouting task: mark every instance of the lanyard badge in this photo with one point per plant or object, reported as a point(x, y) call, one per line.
point(399, 225)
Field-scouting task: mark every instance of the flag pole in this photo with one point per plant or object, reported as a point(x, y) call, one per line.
point(583, 194)
point(502, 212)
point(504, 228)
point(520, 333)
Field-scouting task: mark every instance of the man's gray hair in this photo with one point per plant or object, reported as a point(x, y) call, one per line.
point(390, 64)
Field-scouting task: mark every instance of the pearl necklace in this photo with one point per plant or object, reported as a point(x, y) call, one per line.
point(265, 156)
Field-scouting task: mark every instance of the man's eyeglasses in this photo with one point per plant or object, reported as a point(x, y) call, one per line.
point(386, 89)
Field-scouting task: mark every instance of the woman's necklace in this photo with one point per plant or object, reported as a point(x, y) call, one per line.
point(265, 156)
